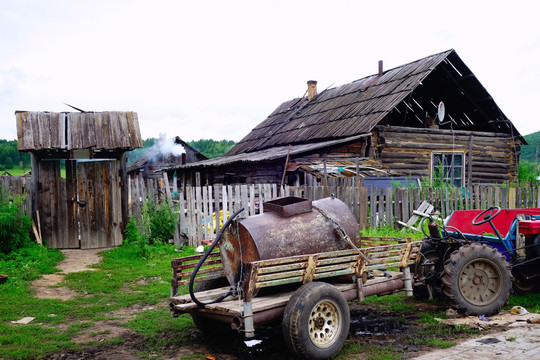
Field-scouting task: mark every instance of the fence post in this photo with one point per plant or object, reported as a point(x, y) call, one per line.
point(512, 198)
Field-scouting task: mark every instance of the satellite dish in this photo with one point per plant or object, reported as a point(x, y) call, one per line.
point(440, 112)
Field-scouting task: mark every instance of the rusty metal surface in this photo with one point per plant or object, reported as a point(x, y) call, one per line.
point(269, 236)
point(288, 206)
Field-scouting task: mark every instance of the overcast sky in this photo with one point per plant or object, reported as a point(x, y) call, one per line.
point(215, 69)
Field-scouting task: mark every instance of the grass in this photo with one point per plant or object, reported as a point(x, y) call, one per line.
point(126, 281)
point(102, 291)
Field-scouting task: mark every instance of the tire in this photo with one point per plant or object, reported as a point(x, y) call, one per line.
point(428, 289)
point(316, 321)
point(208, 326)
point(477, 280)
point(523, 286)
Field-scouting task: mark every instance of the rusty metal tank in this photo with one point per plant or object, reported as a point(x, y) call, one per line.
point(289, 226)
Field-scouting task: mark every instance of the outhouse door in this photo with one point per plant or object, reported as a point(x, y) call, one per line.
point(99, 203)
point(83, 209)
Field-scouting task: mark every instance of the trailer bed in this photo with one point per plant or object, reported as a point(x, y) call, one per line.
point(233, 306)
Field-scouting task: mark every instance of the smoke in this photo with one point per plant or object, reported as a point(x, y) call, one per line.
point(170, 147)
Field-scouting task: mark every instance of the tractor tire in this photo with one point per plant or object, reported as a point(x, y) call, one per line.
point(477, 280)
point(208, 326)
point(316, 321)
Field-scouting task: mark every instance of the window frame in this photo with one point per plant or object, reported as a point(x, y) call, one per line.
point(446, 178)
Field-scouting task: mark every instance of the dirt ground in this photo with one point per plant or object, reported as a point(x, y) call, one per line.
point(385, 328)
point(74, 261)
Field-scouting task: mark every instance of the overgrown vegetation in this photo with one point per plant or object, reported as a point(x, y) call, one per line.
point(14, 223)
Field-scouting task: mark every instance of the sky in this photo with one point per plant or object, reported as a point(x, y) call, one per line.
point(215, 69)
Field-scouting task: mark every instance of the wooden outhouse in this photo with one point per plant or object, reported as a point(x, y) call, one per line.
point(85, 207)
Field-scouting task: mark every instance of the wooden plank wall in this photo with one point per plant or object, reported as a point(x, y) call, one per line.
point(488, 157)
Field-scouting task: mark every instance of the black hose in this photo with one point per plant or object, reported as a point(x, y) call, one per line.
point(203, 259)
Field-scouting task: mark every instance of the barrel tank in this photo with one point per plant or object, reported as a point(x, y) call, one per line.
point(289, 226)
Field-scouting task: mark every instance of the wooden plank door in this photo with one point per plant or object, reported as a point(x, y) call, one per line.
point(57, 213)
point(100, 210)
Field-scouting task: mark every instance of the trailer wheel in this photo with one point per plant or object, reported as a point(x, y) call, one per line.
point(316, 321)
point(477, 279)
point(208, 326)
point(425, 272)
point(522, 285)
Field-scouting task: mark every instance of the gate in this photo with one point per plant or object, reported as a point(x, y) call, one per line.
point(82, 210)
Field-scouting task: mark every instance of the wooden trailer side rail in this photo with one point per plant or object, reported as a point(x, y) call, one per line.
point(183, 267)
point(306, 268)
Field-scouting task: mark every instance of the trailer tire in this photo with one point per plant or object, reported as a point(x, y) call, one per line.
point(316, 321)
point(211, 327)
point(428, 288)
point(477, 280)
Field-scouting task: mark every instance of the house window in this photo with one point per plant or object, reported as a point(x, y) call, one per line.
point(447, 168)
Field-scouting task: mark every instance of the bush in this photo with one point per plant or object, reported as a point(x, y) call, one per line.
point(134, 238)
point(158, 221)
point(14, 224)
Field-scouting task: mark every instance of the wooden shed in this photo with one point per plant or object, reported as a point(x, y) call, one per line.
point(165, 153)
point(86, 207)
point(391, 120)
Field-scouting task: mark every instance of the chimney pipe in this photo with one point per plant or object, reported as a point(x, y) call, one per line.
point(311, 89)
point(380, 68)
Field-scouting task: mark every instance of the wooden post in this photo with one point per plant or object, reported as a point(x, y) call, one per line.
point(512, 198)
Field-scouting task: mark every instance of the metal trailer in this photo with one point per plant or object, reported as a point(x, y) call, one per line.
point(309, 293)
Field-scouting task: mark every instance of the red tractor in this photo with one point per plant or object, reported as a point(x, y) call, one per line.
point(478, 256)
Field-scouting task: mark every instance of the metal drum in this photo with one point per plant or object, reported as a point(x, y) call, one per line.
point(289, 226)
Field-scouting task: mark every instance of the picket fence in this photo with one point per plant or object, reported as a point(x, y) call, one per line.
point(200, 208)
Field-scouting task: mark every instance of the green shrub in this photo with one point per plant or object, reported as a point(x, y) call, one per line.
point(14, 224)
point(133, 237)
point(158, 221)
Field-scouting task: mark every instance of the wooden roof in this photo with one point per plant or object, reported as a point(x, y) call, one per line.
point(401, 96)
point(77, 130)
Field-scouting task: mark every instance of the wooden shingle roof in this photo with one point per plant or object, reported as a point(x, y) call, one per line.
point(77, 130)
point(402, 96)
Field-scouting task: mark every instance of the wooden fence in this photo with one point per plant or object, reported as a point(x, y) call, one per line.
point(371, 207)
point(197, 207)
point(16, 185)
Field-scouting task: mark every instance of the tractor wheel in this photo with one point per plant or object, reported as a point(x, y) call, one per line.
point(477, 279)
point(208, 326)
point(316, 321)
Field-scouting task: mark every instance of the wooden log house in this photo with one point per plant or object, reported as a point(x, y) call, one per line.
point(389, 123)
point(86, 208)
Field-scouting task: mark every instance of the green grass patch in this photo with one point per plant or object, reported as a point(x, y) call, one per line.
point(387, 231)
point(121, 280)
point(369, 351)
point(531, 302)
point(440, 343)
point(396, 302)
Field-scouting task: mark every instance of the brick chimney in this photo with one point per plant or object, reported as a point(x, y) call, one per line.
point(381, 68)
point(311, 89)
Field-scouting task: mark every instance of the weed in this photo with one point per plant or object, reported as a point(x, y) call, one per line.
point(511, 338)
